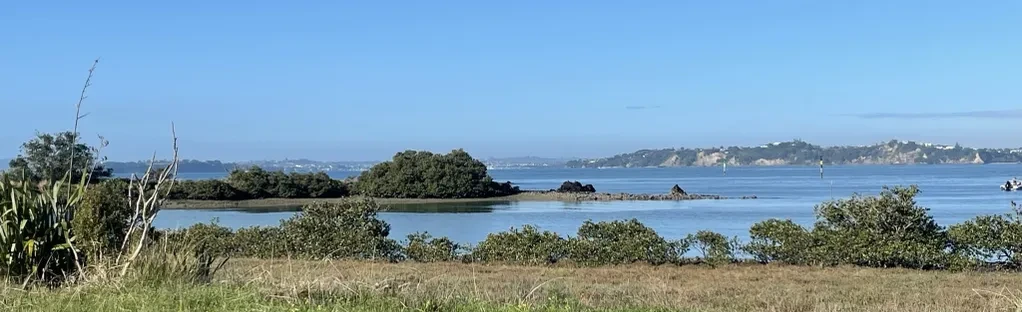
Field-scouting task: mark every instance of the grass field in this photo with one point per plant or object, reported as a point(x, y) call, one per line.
point(277, 285)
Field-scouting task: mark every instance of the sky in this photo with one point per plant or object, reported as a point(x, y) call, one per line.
point(361, 80)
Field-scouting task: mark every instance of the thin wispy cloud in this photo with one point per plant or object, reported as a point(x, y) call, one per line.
point(641, 107)
point(983, 114)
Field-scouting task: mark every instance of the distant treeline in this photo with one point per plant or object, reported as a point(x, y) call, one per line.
point(801, 153)
point(410, 174)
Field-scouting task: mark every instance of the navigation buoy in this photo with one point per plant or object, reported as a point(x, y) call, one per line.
point(821, 167)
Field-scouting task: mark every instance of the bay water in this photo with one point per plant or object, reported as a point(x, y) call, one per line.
point(953, 193)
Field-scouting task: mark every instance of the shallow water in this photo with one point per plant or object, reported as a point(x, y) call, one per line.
point(953, 193)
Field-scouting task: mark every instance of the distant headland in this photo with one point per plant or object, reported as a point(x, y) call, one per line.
point(799, 152)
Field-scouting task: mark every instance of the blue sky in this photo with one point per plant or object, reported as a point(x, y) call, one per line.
point(356, 80)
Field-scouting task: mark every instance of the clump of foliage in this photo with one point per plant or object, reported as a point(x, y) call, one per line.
point(345, 230)
point(715, 248)
point(576, 187)
point(622, 242)
point(780, 241)
point(49, 157)
point(993, 237)
point(423, 247)
point(256, 183)
point(101, 220)
point(35, 230)
point(210, 238)
point(260, 242)
point(889, 230)
point(206, 190)
point(525, 246)
point(420, 174)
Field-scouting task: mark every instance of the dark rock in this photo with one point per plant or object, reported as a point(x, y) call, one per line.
point(576, 187)
point(676, 190)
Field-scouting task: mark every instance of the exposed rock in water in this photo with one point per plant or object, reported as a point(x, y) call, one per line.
point(577, 196)
point(576, 187)
point(676, 190)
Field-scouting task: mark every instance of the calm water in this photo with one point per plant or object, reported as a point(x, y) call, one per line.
point(953, 193)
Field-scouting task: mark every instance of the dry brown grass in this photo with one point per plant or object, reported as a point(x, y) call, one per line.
point(733, 288)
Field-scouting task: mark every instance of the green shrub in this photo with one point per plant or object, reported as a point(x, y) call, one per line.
point(210, 238)
point(414, 174)
point(423, 247)
point(621, 242)
point(206, 190)
point(255, 182)
point(258, 183)
point(780, 241)
point(994, 237)
point(35, 231)
point(103, 218)
point(525, 246)
point(889, 230)
point(715, 248)
point(344, 230)
point(320, 185)
point(259, 242)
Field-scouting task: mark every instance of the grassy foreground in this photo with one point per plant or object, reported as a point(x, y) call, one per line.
point(288, 285)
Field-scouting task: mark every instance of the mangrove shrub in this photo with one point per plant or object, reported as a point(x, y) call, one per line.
point(421, 174)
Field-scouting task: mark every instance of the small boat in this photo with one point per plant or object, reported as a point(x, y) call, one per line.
point(1011, 185)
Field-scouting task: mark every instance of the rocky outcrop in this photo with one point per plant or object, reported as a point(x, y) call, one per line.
point(576, 187)
point(770, 162)
point(708, 159)
point(673, 161)
point(677, 191)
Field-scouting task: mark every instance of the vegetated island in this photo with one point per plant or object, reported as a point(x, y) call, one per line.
point(798, 152)
point(410, 177)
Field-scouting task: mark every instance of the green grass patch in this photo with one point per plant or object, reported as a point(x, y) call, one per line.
point(190, 297)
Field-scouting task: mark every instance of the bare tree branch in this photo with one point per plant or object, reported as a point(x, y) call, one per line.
point(147, 205)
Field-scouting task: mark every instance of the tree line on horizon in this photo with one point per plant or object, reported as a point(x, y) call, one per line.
point(410, 174)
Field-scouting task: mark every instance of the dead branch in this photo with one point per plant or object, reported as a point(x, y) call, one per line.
point(146, 205)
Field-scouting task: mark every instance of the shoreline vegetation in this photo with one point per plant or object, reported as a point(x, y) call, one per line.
point(526, 195)
point(411, 177)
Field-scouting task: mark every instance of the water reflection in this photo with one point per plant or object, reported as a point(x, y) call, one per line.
point(463, 207)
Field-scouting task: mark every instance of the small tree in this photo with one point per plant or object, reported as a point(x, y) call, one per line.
point(101, 220)
point(50, 156)
point(889, 230)
point(622, 242)
point(344, 230)
point(991, 237)
point(781, 241)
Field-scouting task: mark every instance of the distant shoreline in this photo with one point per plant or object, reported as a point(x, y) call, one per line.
point(524, 196)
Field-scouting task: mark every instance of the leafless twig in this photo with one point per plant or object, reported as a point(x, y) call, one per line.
point(78, 117)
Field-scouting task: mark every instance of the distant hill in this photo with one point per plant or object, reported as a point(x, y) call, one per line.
point(305, 165)
point(801, 153)
point(4, 164)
